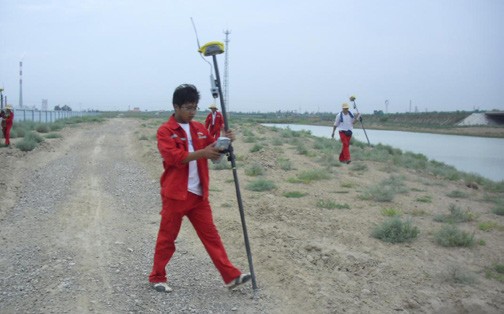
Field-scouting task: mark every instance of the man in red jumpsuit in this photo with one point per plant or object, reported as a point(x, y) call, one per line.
point(185, 146)
point(7, 122)
point(214, 122)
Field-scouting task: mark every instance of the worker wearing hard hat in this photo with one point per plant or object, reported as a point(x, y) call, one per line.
point(344, 123)
point(214, 122)
point(7, 121)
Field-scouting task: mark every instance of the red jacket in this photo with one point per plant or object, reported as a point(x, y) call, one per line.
point(173, 146)
point(9, 119)
point(219, 121)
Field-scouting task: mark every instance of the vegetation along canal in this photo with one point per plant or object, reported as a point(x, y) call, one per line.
point(479, 155)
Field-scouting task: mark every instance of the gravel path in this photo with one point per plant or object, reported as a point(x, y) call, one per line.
point(81, 236)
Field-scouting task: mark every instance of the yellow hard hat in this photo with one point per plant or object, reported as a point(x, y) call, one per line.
point(212, 106)
point(345, 106)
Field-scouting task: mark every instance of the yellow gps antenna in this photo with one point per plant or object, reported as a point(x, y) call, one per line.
point(213, 49)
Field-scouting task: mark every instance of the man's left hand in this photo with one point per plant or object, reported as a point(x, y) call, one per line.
point(229, 134)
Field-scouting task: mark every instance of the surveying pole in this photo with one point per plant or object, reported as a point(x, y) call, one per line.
point(214, 48)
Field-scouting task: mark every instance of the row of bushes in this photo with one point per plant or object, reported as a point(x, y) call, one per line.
point(30, 131)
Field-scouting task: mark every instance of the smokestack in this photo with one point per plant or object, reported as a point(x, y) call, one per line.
point(20, 84)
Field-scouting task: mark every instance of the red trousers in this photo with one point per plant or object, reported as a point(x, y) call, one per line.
point(214, 131)
point(6, 134)
point(345, 149)
point(200, 215)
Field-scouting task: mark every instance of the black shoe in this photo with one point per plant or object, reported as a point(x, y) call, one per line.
point(348, 162)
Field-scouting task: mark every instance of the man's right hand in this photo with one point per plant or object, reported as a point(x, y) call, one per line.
point(211, 152)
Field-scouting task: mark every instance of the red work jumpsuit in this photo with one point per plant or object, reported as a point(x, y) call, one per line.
point(8, 125)
point(179, 202)
point(214, 128)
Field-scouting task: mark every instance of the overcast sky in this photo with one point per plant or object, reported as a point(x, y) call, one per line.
point(442, 55)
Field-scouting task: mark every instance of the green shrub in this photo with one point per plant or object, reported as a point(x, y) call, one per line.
point(379, 193)
point(53, 135)
point(359, 167)
point(284, 163)
point(456, 274)
point(390, 212)
point(385, 190)
point(261, 185)
point(55, 126)
point(277, 141)
point(487, 225)
point(395, 230)
point(294, 194)
point(457, 194)
point(301, 149)
point(143, 138)
point(42, 128)
point(313, 175)
point(254, 170)
point(249, 139)
point(26, 145)
point(256, 148)
point(222, 165)
point(424, 199)
point(456, 215)
point(499, 208)
point(495, 271)
point(342, 206)
point(329, 204)
point(451, 236)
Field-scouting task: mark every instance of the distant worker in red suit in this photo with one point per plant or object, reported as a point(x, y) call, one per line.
point(7, 120)
point(214, 122)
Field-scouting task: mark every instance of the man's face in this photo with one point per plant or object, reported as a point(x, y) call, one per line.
point(186, 112)
point(345, 110)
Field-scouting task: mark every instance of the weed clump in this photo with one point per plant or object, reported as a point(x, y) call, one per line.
point(456, 215)
point(261, 185)
point(451, 236)
point(395, 230)
point(294, 194)
point(254, 170)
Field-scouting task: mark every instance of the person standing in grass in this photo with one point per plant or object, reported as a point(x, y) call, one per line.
point(214, 122)
point(7, 121)
point(185, 146)
point(344, 123)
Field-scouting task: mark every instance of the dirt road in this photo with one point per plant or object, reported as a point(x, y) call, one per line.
point(80, 234)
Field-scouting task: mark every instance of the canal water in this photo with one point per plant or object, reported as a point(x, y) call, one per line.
point(479, 155)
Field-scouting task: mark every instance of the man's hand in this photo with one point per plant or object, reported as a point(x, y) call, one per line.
point(229, 134)
point(211, 152)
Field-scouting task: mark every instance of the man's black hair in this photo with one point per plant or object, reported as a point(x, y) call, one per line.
point(185, 93)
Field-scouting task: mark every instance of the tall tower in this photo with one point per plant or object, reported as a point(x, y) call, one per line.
point(20, 84)
point(226, 70)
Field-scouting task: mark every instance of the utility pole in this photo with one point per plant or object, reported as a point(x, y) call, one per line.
point(386, 105)
point(226, 70)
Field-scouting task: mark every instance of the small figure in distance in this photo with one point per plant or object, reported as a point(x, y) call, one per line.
point(214, 122)
point(344, 123)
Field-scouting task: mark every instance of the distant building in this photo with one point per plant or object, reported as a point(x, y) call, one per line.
point(136, 109)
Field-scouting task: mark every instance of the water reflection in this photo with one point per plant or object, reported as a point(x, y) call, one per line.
point(480, 155)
